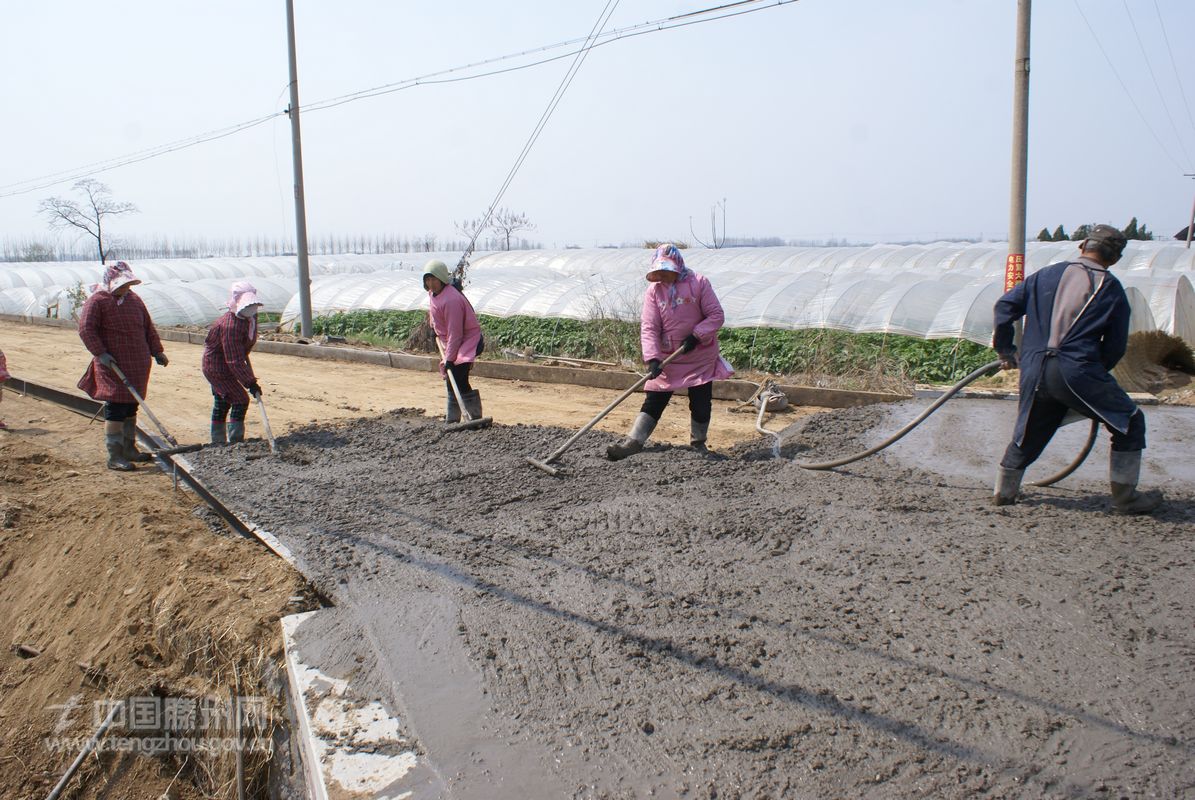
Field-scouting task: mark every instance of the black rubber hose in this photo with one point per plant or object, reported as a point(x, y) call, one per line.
point(1074, 465)
point(951, 392)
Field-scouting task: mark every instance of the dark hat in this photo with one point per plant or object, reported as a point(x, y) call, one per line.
point(1109, 235)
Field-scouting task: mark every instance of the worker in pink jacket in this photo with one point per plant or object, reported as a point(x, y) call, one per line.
point(455, 325)
point(680, 311)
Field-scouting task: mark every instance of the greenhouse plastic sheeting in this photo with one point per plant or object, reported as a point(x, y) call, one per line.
point(939, 290)
point(87, 273)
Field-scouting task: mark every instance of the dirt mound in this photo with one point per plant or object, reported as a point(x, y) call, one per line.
point(112, 589)
point(1155, 362)
point(680, 625)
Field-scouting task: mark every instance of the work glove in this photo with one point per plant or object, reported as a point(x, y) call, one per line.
point(653, 368)
point(689, 343)
point(448, 364)
point(106, 359)
point(1008, 361)
point(161, 359)
point(254, 389)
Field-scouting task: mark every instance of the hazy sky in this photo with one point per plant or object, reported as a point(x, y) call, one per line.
point(869, 119)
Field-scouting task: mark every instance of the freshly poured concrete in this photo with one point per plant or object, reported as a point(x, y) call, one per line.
point(676, 626)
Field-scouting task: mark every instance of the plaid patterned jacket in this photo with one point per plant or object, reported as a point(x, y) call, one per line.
point(226, 358)
point(126, 331)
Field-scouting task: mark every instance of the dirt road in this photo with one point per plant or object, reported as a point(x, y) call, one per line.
point(672, 626)
point(300, 391)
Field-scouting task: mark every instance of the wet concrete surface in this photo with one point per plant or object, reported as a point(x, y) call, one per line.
point(678, 626)
point(965, 439)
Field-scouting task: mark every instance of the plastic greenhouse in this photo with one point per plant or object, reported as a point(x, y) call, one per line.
point(939, 290)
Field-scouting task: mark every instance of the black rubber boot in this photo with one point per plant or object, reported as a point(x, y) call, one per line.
point(1008, 486)
point(129, 437)
point(114, 441)
point(453, 413)
point(633, 443)
point(1124, 470)
point(236, 432)
point(219, 433)
point(698, 431)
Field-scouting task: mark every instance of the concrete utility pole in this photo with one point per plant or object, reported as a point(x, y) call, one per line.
point(1014, 267)
point(297, 153)
point(1191, 222)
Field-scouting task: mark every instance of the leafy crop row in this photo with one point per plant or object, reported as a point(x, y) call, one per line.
point(867, 357)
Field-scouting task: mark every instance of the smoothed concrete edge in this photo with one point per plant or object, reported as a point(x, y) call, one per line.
point(309, 760)
point(733, 390)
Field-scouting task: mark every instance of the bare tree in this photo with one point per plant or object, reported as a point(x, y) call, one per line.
point(88, 216)
point(507, 223)
point(714, 243)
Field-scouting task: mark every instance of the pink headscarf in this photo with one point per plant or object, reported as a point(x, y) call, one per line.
point(115, 276)
point(668, 259)
point(244, 295)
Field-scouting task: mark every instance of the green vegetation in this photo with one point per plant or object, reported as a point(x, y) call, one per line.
point(845, 359)
point(1131, 231)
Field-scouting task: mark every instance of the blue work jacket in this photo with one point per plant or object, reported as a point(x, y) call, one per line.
point(1093, 345)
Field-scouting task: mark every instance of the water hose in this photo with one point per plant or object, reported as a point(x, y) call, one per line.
point(894, 438)
point(900, 434)
point(1074, 465)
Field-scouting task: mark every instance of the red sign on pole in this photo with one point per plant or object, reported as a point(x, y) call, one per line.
point(1014, 270)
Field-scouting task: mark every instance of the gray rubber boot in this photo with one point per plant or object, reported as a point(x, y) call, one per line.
point(1008, 486)
point(114, 441)
point(219, 433)
point(635, 440)
point(236, 432)
point(1124, 469)
point(453, 413)
point(129, 436)
point(472, 400)
point(698, 431)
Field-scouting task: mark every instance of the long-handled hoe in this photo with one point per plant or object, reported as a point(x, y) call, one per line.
point(546, 464)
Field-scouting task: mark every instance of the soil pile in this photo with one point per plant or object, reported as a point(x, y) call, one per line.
point(112, 589)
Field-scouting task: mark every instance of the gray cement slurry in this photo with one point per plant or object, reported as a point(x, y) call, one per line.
point(965, 439)
point(677, 626)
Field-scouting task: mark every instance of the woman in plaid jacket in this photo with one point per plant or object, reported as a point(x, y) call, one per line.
point(116, 328)
point(226, 363)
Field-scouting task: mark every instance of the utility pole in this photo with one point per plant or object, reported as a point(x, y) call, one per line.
point(1014, 267)
point(297, 156)
point(1191, 222)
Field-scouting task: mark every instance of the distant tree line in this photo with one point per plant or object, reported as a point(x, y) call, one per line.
point(134, 248)
point(1131, 231)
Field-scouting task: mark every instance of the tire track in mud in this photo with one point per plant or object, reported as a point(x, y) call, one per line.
point(741, 627)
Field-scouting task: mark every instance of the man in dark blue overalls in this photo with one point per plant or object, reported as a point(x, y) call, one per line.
point(1076, 329)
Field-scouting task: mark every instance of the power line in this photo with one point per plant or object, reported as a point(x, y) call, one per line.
point(1174, 64)
point(1154, 78)
point(1128, 94)
point(86, 170)
point(598, 26)
point(627, 32)
point(604, 37)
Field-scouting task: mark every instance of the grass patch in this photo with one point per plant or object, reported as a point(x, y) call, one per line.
point(820, 357)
